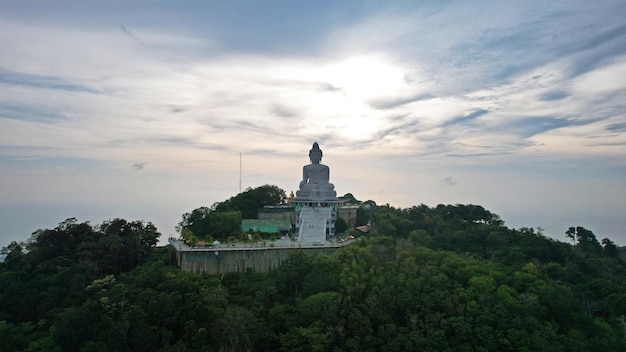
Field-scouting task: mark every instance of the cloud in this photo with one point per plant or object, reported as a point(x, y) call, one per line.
point(400, 130)
point(214, 98)
point(449, 181)
point(466, 117)
point(281, 110)
point(423, 89)
point(595, 51)
point(554, 95)
point(617, 127)
point(15, 78)
point(30, 113)
point(173, 108)
point(129, 33)
point(612, 35)
point(528, 127)
point(388, 103)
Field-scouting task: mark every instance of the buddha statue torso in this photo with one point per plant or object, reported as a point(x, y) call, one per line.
point(315, 177)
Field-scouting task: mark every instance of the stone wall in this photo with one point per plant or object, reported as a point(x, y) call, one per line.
point(217, 261)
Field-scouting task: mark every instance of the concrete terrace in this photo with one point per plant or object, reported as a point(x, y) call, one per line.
point(240, 257)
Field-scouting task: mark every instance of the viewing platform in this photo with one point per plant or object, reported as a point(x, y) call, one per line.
point(240, 257)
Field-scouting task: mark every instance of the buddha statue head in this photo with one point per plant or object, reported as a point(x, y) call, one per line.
point(315, 154)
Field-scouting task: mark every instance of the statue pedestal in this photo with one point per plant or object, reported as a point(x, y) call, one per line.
point(316, 212)
point(316, 195)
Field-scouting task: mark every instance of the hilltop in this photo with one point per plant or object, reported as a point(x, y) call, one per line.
point(451, 277)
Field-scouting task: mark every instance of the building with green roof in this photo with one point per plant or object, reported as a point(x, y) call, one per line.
point(266, 225)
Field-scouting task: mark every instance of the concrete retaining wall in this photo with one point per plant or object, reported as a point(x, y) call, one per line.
point(216, 261)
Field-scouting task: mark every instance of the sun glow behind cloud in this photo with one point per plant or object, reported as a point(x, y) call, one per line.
point(317, 98)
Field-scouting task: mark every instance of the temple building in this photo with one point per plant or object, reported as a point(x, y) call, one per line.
point(312, 212)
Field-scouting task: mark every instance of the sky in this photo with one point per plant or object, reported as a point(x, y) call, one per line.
point(150, 109)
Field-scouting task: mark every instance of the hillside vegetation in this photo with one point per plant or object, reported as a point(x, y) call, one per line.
point(445, 278)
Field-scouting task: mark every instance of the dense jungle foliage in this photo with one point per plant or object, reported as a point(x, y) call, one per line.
point(222, 221)
point(448, 278)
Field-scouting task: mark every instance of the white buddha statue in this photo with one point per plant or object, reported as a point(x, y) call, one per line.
point(315, 176)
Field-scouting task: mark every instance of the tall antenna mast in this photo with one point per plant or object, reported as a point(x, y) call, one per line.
point(239, 172)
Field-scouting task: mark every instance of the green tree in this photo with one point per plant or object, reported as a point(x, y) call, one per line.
point(14, 253)
point(340, 225)
point(292, 272)
point(482, 287)
point(348, 198)
point(60, 241)
point(197, 222)
point(364, 212)
point(609, 248)
point(587, 241)
point(250, 201)
point(204, 224)
point(224, 224)
point(127, 243)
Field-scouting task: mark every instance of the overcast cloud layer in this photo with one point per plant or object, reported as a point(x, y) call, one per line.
point(141, 110)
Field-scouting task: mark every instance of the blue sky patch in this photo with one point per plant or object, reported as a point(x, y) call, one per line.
point(465, 118)
point(531, 126)
point(41, 81)
point(29, 113)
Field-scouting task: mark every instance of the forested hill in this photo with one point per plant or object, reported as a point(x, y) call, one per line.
point(448, 278)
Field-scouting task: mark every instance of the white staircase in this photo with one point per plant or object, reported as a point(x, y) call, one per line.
point(312, 226)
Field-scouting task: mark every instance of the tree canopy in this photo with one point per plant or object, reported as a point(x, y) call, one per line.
point(445, 278)
point(204, 224)
point(250, 201)
point(223, 219)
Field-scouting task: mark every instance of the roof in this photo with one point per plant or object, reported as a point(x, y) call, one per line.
point(265, 225)
point(364, 228)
